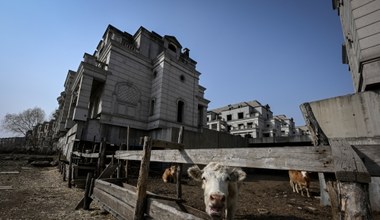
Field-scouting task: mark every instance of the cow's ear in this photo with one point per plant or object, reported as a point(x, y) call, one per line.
point(195, 173)
point(237, 174)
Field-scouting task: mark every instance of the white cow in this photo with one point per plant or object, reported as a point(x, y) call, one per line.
point(221, 188)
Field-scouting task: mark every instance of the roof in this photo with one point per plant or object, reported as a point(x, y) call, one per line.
point(253, 104)
point(173, 40)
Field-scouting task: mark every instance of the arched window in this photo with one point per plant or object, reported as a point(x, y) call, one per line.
point(173, 48)
point(180, 110)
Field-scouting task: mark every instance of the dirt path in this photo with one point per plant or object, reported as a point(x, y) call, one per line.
point(39, 193)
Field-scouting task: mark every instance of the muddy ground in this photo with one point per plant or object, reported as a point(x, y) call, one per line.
point(40, 193)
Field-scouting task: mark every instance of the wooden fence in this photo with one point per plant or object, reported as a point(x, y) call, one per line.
point(128, 202)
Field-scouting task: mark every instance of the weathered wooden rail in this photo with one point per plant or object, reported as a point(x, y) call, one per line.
point(316, 159)
point(128, 202)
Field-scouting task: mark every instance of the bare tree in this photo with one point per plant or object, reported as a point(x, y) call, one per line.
point(24, 121)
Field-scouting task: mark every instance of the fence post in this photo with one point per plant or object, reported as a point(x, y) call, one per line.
point(102, 156)
point(179, 167)
point(142, 180)
point(70, 174)
point(127, 164)
point(87, 199)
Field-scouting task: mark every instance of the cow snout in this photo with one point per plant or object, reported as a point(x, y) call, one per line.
point(217, 198)
point(216, 206)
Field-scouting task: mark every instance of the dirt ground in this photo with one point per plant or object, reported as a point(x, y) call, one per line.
point(40, 193)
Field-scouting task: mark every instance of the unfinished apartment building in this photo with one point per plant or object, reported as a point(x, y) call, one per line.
point(144, 83)
point(360, 24)
point(250, 119)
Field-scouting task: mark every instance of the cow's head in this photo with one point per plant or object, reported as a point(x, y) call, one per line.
point(216, 180)
point(173, 170)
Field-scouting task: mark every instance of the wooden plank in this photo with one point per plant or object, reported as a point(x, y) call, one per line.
point(102, 156)
point(314, 159)
point(347, 164)
point(70, 175)
point(142, 180)
point(188, 209)
point(167, 144)
point(370, 155)
point(108, 171)
point(160, 211)
point(117, 207)
point(125, 195)
point(87, 199)
point(9, 172)
point(86, 155)
point(150, 194)
point(179, 166)
point(116, 199)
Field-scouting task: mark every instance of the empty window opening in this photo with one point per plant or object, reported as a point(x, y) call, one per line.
point(172, 48)
point(180, 108)
point(214, 126)
point(152, 106)
point(241, 126)
point(229, 117)
point(240, 115)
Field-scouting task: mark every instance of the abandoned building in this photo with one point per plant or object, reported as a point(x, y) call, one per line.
point(250, 119)
point(360, 21)
point(144, 82)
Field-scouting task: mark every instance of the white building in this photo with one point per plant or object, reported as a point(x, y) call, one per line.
point(145, 82)
point(250, 119)
point(360, 24)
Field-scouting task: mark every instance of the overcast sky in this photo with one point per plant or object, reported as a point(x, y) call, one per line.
point(281, 53)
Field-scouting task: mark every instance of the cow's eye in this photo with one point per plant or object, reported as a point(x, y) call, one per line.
point(204, 178)
point(228, 178)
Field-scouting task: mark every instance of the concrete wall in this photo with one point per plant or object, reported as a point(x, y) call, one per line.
point(350, 116)
point(12, 145)
point(210, 139)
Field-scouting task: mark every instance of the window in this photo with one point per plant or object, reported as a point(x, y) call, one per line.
point(180, 108)
point(240, 115)
point(200, 115)
point(249, 125)
point(152, 105)
point(229, 117)
point(182, 78)
point(172, 48)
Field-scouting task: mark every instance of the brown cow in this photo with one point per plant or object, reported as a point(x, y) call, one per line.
point(170, 175)
point(299, 179)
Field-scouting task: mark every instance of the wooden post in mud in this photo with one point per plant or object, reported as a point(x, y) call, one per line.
point(179, 166)
point(70, 173)
point(142, 181)
point(349, 194)
point(102, 156)
point(87, 199)
point(348, 191)
point(127, 164)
